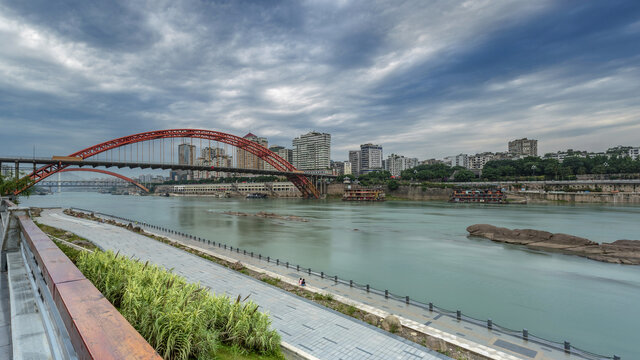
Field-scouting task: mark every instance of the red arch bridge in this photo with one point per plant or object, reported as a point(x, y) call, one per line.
point(157, 150)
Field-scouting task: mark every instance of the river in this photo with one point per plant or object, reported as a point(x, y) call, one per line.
point(421, 249)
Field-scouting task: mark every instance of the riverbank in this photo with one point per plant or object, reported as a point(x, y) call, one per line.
point(537, 193)
point(307, 332)
point(443, 332)
point(421, 249)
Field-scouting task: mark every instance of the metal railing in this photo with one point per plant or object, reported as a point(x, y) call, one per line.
point(523, 334)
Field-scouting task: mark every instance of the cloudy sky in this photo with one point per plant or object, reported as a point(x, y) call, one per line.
point(422, 78)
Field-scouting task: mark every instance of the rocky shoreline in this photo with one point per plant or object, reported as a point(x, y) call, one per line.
point(618, 252)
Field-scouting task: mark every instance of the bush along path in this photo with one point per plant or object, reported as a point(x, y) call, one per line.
point(180, 320)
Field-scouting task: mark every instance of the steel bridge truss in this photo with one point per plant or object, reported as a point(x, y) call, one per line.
point(298, 178)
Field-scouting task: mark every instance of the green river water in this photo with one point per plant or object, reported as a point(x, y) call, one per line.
point(421, 249)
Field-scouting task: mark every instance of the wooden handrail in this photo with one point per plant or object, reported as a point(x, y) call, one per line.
point(97, 330)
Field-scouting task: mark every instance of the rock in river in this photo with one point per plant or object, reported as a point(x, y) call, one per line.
point(619, 252)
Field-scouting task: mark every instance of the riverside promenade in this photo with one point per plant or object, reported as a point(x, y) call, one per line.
point(316, 332)
point(490, 343)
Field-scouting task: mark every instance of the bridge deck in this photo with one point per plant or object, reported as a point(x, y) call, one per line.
point(316, 330)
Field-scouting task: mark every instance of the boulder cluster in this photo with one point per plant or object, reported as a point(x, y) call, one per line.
point(618, 252)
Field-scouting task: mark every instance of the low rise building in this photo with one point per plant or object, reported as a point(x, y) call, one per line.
point(277, 189)
point(526, 147)
point(561, 155)
point(342, 167)
point(396, 164)
point(478, 161)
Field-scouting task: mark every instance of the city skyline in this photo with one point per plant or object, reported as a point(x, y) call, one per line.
point(410, 77)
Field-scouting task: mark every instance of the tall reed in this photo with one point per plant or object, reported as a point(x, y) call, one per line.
point(180, 320)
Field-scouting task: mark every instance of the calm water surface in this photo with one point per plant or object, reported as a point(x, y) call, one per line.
point(421, 249)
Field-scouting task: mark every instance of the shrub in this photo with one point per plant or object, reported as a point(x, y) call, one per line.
point(180, 320)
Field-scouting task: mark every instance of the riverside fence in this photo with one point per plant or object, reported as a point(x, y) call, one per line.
point(458, 315)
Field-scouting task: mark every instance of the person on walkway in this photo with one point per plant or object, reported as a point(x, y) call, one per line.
point(300, 282)
point(304, 283)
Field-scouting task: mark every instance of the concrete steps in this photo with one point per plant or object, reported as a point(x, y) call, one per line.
point(28, 333)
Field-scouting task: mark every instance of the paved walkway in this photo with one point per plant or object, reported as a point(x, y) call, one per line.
point(5, 318)
point(322, 333)
point(492, 343)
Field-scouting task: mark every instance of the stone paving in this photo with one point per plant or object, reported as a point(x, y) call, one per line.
point(316, 330)
point(479, 339)
point(5, 318)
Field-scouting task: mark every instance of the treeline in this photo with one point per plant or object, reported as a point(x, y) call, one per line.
point(437, 172)
point(552, 169)
point(530, 168)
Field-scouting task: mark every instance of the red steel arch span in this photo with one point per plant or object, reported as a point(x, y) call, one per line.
point(107, 173)
point(303, 184)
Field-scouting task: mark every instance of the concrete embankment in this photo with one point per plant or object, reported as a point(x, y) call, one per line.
point(615, 198)
point(617, 252)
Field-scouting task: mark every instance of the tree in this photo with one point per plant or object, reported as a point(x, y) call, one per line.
point(464, 176)
point(9, 186)
point(393, 185)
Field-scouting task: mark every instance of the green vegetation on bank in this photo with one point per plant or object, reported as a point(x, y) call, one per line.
point(8, 185)
point(551, 169)
point(180, 320)
point(531, 168)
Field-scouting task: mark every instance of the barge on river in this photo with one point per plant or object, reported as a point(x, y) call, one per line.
point(490, 196)
point(363, 195)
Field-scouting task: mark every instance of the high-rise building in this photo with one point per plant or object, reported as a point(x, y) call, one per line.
point(354, 159)
point(186, 154)
point(524, 147)
point(215, 157)
point(283, 152)
point(370, 158)
point(634, 152)
point(311, 151)
point(247, 160)
point(396, 164)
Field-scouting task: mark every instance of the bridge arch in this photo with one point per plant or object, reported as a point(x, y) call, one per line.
point(303, 184)
point(106, 172)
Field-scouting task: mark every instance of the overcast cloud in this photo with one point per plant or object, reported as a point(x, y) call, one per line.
point(422, 78)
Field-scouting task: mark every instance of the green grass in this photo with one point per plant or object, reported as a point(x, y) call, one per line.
point(67, 236)
point(271, 281)
point(226, 352)
point(180, 320)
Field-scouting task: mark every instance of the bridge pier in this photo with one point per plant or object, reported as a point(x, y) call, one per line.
point(16, 176)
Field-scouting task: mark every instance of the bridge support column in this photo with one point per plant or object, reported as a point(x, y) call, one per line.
point(16, 175)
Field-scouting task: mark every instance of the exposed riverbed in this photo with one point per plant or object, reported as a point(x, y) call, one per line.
point(421, 249)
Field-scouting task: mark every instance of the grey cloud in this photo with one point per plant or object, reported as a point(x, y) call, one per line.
point(422, 79)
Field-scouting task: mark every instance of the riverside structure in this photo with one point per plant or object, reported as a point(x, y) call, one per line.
point(421, 249)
